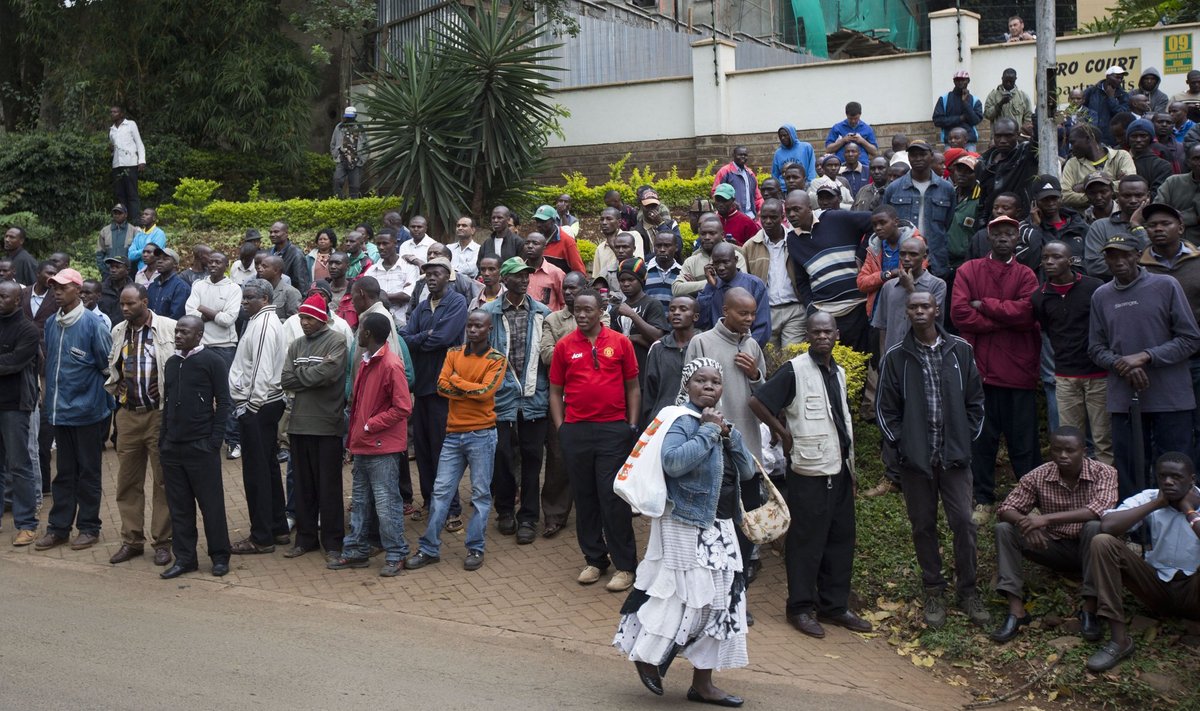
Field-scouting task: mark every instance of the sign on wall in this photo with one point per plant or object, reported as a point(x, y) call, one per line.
point(1079, 71)
point(1177, 54)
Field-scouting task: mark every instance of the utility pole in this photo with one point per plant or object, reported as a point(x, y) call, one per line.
point(1047, 89)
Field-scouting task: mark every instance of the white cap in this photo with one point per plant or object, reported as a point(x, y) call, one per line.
point(350, 112)
point(1116, 69)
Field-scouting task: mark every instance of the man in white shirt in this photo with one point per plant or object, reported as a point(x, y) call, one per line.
point(464, 254)
point(217, 301)
point(129, 157)
point(394, 279)
point(415, 252)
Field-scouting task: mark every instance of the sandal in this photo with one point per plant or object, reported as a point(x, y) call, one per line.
point(409, 509)
point(418, 514)
point(454, 525)
point(249, 547)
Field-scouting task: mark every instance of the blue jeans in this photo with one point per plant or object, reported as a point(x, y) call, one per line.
point(18, 474)
point(376, 487)
point(478, 449)
point(232, 434)
point(1049, 383)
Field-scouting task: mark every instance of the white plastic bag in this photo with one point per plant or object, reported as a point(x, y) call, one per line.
point(640, 479)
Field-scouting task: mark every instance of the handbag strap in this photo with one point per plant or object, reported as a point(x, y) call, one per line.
point(772, 492)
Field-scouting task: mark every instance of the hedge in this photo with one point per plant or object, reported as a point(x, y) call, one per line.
point(672, 190)
point(299, 214)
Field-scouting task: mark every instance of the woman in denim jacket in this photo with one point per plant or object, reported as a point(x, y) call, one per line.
point(689, 593)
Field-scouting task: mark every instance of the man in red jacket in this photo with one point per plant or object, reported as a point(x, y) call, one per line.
point(992, 309)
point(378, 437)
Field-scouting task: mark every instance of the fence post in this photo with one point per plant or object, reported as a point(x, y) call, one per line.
point(712, 59)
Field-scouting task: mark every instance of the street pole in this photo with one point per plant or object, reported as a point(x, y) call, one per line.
point(1047, 89)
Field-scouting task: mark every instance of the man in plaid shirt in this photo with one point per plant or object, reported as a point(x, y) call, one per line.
point(1070, 492)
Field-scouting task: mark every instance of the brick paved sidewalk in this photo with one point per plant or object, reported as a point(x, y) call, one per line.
point(530, 589)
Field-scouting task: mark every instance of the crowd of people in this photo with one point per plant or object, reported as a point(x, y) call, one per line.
point(973, 281)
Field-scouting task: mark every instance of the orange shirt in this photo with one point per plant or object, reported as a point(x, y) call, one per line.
point(470, 383)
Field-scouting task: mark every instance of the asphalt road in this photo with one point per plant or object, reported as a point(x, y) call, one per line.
point(76, 637)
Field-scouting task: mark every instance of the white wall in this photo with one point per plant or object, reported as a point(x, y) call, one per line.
point(638, 111)
point(902, 89)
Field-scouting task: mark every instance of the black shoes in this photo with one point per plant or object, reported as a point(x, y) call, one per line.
point(176, 570)
point(526, 532)
point(507, 524)
point(474, 560)
point(806, 623)
point(1012, 625)
point(1109, 656)
point(220, 570)
point(648, 674)
point(1089, 626)
point(849, 620)
point(344, 562)
point(729, 700)
point(420, 560)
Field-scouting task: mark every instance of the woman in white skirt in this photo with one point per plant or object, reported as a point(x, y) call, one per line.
point(689, 595)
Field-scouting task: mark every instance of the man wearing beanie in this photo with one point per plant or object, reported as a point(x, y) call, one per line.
point(640, 316)
point(1149, 164)
point(314, 372)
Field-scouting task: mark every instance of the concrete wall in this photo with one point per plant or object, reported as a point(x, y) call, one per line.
point(688, 121)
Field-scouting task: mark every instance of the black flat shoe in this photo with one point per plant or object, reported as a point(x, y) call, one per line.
point(176, 570)
point(1109, 656)
point(1012, 625)
point(729, 700)
point(220, 570)
point(1089, 626)
point(648, 674)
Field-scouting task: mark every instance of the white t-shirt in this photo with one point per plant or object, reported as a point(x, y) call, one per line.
point(921, 187)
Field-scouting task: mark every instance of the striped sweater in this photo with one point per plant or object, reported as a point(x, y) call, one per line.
point(827, 260)
point(470, 383)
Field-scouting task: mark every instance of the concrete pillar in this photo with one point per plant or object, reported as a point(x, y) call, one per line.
point(712, 59)
point(952, 35)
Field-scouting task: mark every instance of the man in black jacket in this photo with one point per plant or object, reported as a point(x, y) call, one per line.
point(19, 347)
point(503, 243)
point(195, 410)
point(1008, 166)
point(933, 433)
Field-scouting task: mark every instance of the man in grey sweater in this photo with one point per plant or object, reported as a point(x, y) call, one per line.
point(315, 372)
point(1142, 332)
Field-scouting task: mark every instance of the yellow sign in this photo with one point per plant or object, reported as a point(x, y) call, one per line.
point(1177, 54)
point(1079, 71)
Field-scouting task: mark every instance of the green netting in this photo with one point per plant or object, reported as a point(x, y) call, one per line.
point(823, 17)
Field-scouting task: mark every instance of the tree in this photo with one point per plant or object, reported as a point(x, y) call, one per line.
point(461, 122)
point(1131, 14)
point(344, 20)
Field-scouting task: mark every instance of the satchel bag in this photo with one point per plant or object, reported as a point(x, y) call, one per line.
point(769, 521)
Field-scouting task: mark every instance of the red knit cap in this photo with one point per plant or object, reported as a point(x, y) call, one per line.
point(315, 307)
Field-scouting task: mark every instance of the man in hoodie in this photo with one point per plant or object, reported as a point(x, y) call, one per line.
point(990, 304)
point(1154, 169)
point(77, 348)
point(1149, 82)
point(314, 371)
point(521, 405)
point(1143, 333)
point(792, 150)
point(217, 301)
point(959, 109)
point(931, 407)
point(1106, 99)
point(19, 391)
point(1049, 221)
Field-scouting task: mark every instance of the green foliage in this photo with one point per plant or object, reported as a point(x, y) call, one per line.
point(147, 189)
point(854, 363)
point(689, 238)
point(587, 250)
point(462, 121)
point(673, 190)
point(37, 236)
point(218, 74)
point(301, 215)
point(61, 177)
point(191, 195)
point(1127, 15)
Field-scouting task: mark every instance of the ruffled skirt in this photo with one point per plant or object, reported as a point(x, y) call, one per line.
point(689, 598)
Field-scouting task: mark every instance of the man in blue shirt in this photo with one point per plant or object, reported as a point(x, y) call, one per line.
point(723, 275)
point(852, 130)
point(169, 292)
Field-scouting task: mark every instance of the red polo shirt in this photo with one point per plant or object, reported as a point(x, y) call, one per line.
point(593, 388)
point(741, 227)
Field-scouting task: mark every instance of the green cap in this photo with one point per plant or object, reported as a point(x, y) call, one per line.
point(514, 265)
point(545, 212)
point(724, 191)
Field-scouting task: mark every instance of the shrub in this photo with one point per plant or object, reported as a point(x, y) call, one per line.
point(63, 178)
point(852, 361)
point(689, 239)
point(37, 236)
point(299, 214)
point(673, 190)
point(587, 250)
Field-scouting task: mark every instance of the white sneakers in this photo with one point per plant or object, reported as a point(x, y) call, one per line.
point(621, 580)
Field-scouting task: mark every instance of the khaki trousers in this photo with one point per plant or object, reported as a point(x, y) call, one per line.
point(137, 441)
point(1081, 404)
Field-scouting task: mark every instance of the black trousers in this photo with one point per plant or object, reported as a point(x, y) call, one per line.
point(260, 473)
point(819, 554)
point(45, 440)
point(1012, 413)
point(752, 498)
point(125, 188)
point(77, 479)
point(556, 487)
point(192, 477)
point(594, 451)
point(921, 495)
point(429, 429)
point(318, 480)
point(854, 330)
point(527, 437)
